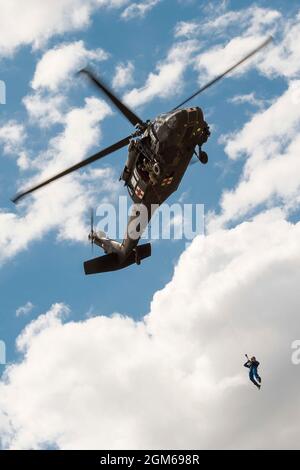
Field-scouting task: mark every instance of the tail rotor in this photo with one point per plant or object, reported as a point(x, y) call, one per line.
point(92, 232)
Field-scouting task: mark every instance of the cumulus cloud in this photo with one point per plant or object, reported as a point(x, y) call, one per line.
point(164, 381)
point(249, 98)
point(12, 136)
point(270, 142)
point(186, 29)
point(62, 208)
point(283, 59)
point(253, 19)
point(139, 10)
point(24, 309)
point(167, 81)
point(80, 133)
point(251, 26)
point(219, 58)
point(48, 103)
point(39, 21)
point(60, 64)
point(45, 110)
point(123, 76)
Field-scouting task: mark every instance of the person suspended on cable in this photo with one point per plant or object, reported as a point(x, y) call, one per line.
point(252, 364)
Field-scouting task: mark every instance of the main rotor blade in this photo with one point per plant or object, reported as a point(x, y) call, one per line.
point(130, 115)
point(97, 156)
point(222, 75)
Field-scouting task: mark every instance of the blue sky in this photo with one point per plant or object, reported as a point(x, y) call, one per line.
point(48, 269)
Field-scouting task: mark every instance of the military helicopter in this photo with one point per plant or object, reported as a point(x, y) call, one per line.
point(159, 152)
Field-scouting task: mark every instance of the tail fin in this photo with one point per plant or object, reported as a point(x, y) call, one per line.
point(112, 262)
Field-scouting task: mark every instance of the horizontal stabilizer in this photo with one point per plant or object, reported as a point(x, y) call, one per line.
point(111, 262)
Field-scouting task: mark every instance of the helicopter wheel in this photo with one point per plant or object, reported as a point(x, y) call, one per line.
point(137, 258)
point(156, 169)
point(203, 157)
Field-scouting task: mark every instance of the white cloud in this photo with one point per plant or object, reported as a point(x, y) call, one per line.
point(248, 98)
point(80, 133)
point(255, 19)
point(45, 110)
point(269, 140)
point(123, 76)
point(165, 381)
point(24, 309)
point(186, 29)
point(280, 120)
point(219, 58)
point(284, 57)
point(167, 81)
point(12, 136)
point(39, 21)
point(271, 174)
point(62, 206)
point(139, 10)
point(253, 24)
point(250, 27)
point(60, 64)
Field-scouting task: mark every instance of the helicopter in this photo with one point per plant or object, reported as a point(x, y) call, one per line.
point(159, 153)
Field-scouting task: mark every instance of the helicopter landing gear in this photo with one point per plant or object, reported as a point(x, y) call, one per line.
point(137, 258)
point(156, 169)
point(203, 157)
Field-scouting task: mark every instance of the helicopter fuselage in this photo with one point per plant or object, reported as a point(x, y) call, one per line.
point(158, 160)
